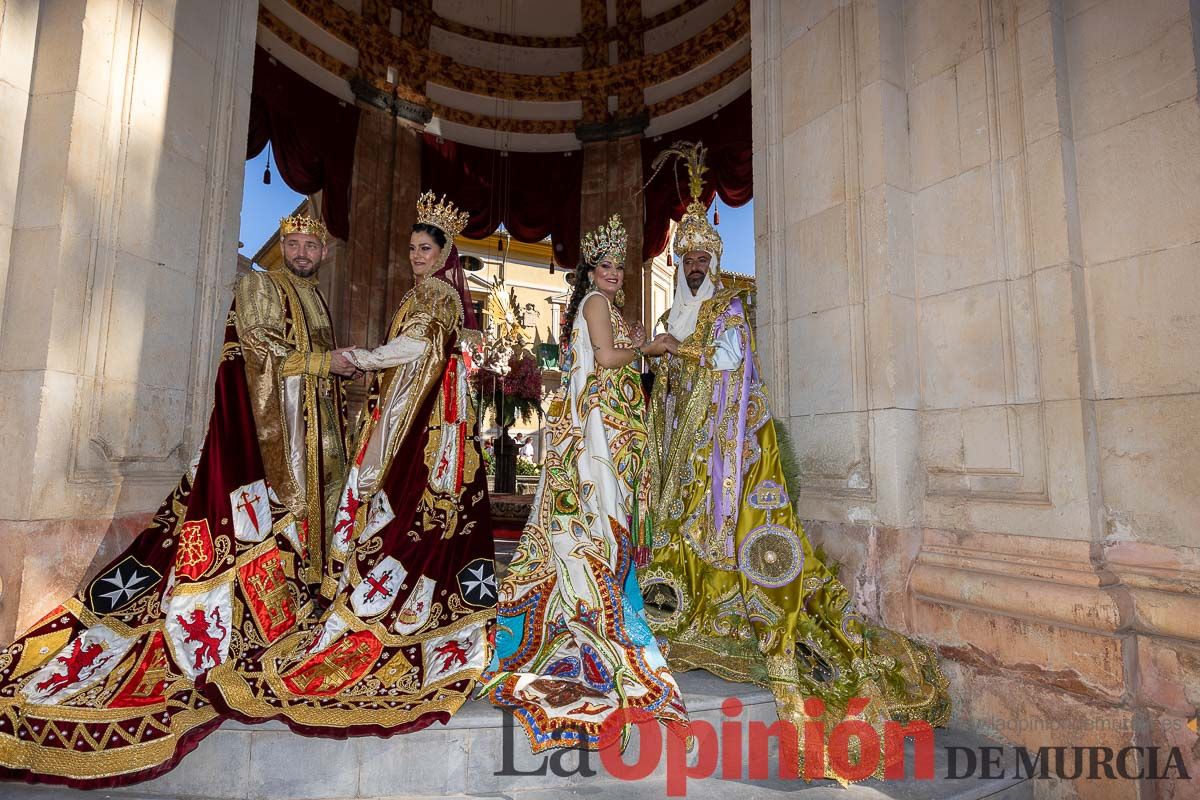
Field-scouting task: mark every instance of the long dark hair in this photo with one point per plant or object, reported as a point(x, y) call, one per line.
point(583, 284)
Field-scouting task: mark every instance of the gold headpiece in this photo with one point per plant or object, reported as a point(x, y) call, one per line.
point(694, 231)
point(607, 241)
point(442, 215)
point(299, 223)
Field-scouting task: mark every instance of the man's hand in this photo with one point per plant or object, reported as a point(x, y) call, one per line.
point(340, 365)
point(670, 343)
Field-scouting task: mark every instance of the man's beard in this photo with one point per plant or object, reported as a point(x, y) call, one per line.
point(300, 271)
point(694, 281)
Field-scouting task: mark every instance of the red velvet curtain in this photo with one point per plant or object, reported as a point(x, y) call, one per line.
point(312, 136)
point(532, 194)
point(727, 135)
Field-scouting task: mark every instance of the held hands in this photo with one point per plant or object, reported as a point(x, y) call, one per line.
point(663, 343)
point(341, 366)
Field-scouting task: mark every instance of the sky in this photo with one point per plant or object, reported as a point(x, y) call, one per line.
point(737, 236)
point(263, 205)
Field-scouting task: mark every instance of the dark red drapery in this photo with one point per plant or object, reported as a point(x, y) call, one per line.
point(312, 136)
point(532, 194)
point(727, 135)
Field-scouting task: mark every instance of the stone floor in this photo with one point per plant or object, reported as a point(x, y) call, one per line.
point(479, 755)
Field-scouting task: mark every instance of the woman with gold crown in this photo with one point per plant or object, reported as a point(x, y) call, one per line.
point(410, 565)
point(573, 648)
point(734, 586)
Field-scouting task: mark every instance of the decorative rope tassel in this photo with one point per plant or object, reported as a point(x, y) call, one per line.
point(267, 171)
point(641, 536)
point(641, 556)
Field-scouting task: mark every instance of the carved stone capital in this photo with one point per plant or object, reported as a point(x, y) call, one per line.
point(372, 96)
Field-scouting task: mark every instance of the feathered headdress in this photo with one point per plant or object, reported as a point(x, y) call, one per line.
point(694, 231)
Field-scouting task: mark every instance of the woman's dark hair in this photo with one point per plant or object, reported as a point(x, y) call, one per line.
point(432, 230)
point(583, 284)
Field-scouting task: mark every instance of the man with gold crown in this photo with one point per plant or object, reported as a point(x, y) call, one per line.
point(733, 586)
point(103, 690)
point(410, 559)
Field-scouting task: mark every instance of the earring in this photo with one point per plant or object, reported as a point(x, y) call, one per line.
point(619, 299)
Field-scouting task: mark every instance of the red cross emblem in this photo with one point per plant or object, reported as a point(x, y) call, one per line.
point(378, 586)
point(247, 505)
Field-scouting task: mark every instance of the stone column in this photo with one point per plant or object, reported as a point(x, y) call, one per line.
point(835, 269)
point(124, 229)
point(612, 175)
point(976, 222)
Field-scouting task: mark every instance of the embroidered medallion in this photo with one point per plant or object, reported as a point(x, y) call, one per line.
point(378, 589)
point(477, 583)
point(194, 552)
point(335, 667)
point(768, 495)
point(771, 556)
point(116, 588)
point(80, 665)
point(666, 602)
point(251, 512)
point(415, 612)
point(264, 583)
point(198, 625)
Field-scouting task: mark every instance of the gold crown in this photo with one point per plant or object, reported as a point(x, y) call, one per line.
point(299, 223)
point(694, 231)
point(441, 214)
point(608, 241)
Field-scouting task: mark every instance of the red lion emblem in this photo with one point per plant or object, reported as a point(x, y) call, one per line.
point(197, 631)
point(350, 506)
point(77, 661)
point(453, 654)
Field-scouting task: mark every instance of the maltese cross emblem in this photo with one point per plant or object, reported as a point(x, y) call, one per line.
point(477, 583)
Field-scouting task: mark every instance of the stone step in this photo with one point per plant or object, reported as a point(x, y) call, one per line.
point(469, 757)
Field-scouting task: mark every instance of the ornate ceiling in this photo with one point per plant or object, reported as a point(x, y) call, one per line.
point(521, 74)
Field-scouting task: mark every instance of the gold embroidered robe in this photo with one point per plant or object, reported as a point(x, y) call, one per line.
point(107, 688)
point(299, 408)
point(734, 586)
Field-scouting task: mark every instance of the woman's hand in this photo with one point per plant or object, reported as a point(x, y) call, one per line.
point(637, 333)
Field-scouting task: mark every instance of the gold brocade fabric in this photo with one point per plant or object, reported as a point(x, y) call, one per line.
point(298, 406)
point(734, 586)
point(107, 688)
point(410, 570)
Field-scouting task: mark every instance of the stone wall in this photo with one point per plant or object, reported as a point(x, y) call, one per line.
point(121, 151)
point(978, 225)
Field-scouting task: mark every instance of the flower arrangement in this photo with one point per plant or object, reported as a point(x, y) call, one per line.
point(515, 391)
